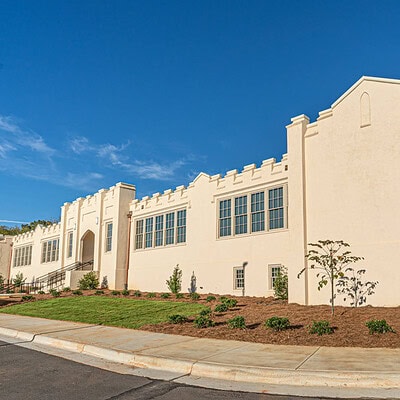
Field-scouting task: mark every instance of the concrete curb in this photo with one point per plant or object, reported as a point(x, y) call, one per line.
point(226, 372)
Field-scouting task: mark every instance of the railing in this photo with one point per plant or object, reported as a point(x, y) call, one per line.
point(51, 280)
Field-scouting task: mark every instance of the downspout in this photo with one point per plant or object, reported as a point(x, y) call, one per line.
point(9, 261)
point(128, 249)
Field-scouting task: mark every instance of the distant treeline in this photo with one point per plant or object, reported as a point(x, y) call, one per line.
point(16, 230)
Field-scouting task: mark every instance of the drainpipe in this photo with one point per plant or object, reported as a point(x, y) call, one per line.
point(128, 249)
point(9, 261)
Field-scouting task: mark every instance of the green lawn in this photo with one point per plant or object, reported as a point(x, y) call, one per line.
point(122, 312)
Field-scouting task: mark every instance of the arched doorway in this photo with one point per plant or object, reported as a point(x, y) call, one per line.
point(87, 247)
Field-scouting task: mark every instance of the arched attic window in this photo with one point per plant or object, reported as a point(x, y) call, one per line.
point(365, 110)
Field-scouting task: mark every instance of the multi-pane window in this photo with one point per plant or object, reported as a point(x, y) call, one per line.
point(149, 232)
point(161, 230)
point(139, 234)
point(249, 214)
point(181, 227)
point(23, 256)
point(240, 215)
point(70, 244)
point(257, 212)
point(50, 250)
point(109, 231)
point(225, 218)
point(274, 271)
point(238, 278)
point(275, 208)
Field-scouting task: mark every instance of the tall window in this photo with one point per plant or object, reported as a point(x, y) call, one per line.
point(159, 230)
point(240, 215)
point(181, 227)
point(275, 208)
point(22, 256)
point(225, 217)
point(70, 244)
point(169, 228)
point(50, 250)
point(257, 212)
point(139, 234)
point(149, 232)
point(109, 231)
point(238, 278)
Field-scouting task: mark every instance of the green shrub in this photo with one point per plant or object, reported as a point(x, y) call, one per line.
point(281, 284)
point(203, 321)
point(115, 292)
point(89, 281)
point(378, 326)
point(179, 296)
point(66, 289)
point(55, 293)
point(320, 328)
point(222, 307)
point(125, 292)
point(210, 298)
point(222, 299)
point(277, 323)
point(237, 322)
point(27, 297)
point(174, 282)
point(137, 293)
point(41, 292)
point(194, 296)
point(77, 292)
point(99, 292)
point(205, 311)
point(230, 303)
point(151, 295)
point(165, 295)
point(19, 279)
point(177, 319)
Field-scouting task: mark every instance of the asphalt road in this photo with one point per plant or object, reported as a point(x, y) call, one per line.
point(31, 375)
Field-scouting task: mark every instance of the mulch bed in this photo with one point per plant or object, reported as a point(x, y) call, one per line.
point(349, 323)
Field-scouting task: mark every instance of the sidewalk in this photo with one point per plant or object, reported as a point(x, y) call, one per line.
point(367, 372)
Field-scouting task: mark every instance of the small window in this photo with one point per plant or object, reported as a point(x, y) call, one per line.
point(109, 229)
point(274, 271)
point(70, 244)
point(238, 278)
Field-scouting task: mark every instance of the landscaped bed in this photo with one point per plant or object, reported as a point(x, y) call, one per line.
point(151, 314)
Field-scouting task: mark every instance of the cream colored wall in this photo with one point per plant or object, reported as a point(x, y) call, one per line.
point(212, 259)
point(5, 255)
point(352, 176)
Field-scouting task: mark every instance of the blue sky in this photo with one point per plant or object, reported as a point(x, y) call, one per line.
point(154, 92)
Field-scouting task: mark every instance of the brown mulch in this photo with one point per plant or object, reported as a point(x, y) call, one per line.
point(349, 323)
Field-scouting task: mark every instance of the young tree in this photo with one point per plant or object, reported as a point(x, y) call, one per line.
point(330, 258)
point(281, 284)
point(174, 282)
point(353, 287)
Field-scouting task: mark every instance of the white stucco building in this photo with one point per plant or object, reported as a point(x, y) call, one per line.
point(339, 180)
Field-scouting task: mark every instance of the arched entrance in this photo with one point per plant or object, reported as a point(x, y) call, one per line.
point(87, 247)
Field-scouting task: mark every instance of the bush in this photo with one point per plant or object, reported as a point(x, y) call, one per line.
point(237, 323)
point(203, 321)
point(222, 299)
point(77, 292)
point(222, 307)
point(66, 289)
point(230, 303)
point(165, 295)
point(194, 296)
point(174, 282)
point(99, 292)
point(137, 293)
point(205, 311)
point(320, 328)
point(125, 292)
point(177, 319)
point(179, 296)
point(89, 281)
point(281, 284)
point(55, 293)
point(104, 283)
point(115, 292)
point(27, 297)
point(210, 298)
point(41, 292)
point(378, 326)
point(277, 323)
point(151, 295)
point(19, 279)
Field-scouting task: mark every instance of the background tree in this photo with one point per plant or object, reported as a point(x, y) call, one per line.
point(16, 230)
point(330, 258)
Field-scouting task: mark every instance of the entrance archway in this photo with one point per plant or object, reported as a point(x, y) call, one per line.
point(87, 249)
